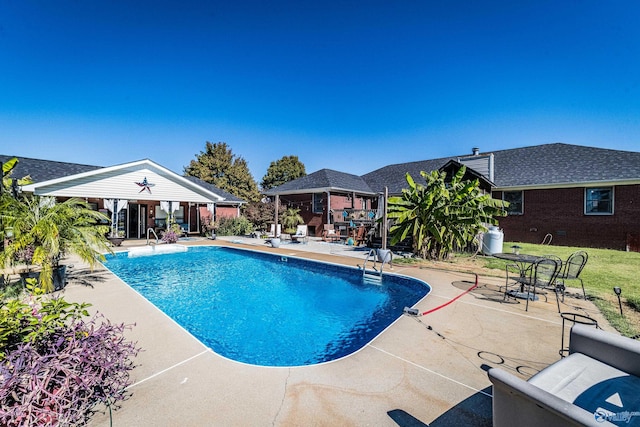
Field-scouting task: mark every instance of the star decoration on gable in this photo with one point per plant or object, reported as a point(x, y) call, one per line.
point(146, 185)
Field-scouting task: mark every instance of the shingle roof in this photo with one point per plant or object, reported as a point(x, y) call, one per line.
point(44, 170)
point(228, 197)
point(559, 163)
point(322, 180)
point(393, 176)
point(539, 165)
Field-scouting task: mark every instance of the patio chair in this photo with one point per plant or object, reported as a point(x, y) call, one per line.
point(360, 235)
point(541, 274)
point(555, 286)
point(273, 232)
point(301, 234)
point(571, 271)
point(596, 383)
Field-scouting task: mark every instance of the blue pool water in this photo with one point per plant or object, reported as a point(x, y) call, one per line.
point(268, 310)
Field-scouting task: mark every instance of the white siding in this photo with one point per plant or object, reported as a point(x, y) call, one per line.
point(121, 184)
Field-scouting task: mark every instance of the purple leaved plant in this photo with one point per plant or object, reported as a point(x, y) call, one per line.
point(25, 255)
point(170, 236)
point(62, 377)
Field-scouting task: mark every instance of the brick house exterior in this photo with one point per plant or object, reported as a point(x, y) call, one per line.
point(580, 196)
point(560, 213)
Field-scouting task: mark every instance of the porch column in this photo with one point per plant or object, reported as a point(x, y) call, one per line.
point(276, 206)
point(384, 219)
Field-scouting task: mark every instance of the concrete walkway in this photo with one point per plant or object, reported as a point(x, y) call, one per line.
point(423, 370)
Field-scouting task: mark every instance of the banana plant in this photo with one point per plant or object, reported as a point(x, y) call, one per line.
point(441, 216)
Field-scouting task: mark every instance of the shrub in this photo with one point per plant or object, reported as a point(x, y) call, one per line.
point(55, 367)
point(234, 226)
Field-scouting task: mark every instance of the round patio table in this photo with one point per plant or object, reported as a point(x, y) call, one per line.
point(523, 262)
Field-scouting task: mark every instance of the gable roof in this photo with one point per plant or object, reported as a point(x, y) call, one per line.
point(44, 170)
point(323, 180)
point(453, 166)
point(51, 177)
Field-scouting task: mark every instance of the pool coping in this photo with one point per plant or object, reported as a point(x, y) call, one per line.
point(426, 370)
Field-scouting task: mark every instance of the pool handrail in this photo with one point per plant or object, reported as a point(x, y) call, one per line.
point(154, 233)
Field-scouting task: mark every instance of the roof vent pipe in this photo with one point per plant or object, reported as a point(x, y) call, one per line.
point(475, 151)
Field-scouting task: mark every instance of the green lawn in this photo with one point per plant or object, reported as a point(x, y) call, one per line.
point(605, 270)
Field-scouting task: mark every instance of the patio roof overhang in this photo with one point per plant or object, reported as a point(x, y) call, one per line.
point(319, 190)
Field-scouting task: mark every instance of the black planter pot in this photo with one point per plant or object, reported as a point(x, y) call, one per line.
point(59, 277)
point(116, 241)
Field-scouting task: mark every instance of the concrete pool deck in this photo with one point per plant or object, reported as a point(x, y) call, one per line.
point(423, 370)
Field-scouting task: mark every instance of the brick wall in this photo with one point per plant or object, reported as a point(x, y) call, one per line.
point(560, 212)
point(226, 212)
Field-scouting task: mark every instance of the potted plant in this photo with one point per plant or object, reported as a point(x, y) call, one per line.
point(172, 234)
point(117, 238)
point(209, 228)
point(290, 219)
point(54, 230)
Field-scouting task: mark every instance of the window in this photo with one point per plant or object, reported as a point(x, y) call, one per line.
point(178, 216)
point(515, 199)
point(598, 201)
point(317, 202)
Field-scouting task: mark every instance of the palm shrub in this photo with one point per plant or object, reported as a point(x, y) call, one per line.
point(55, 366)
point(290, 219)
point(53, 230)
point(440, 215)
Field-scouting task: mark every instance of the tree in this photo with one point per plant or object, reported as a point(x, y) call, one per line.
point(284, 170)
point(261, 214)
point(217, 165)
point(442, 216)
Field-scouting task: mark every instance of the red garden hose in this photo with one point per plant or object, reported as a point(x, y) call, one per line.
point(449, 302)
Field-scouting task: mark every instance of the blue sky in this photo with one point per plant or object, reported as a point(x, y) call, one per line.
point(346, 85)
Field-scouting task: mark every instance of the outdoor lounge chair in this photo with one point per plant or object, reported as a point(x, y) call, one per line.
point(598, 382)
point(272, 232)
point(301, 234)
point(329, 234)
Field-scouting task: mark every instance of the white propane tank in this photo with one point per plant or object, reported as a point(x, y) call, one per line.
point(492, 241)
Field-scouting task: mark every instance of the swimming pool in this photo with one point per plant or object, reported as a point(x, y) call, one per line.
point(268, 310)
